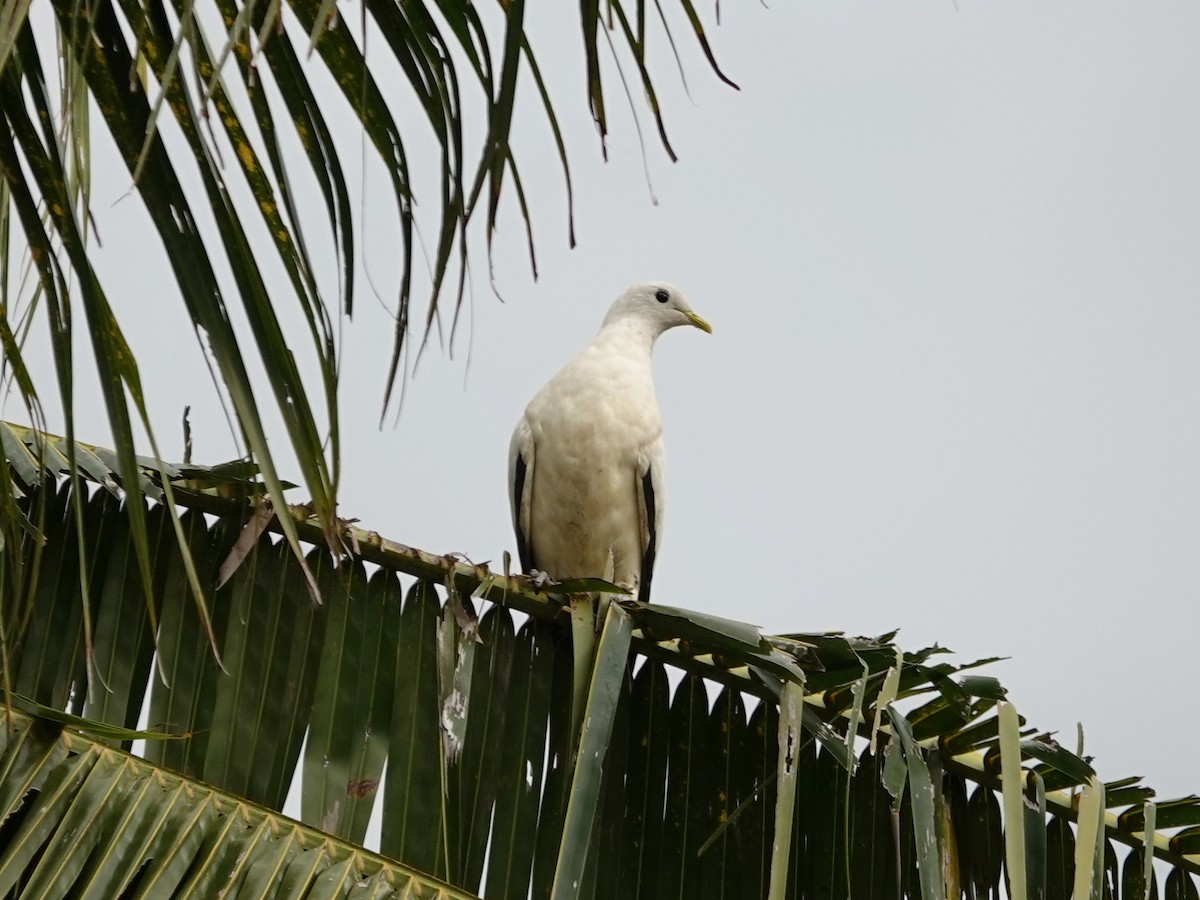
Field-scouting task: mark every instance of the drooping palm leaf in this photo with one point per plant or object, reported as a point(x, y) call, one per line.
point(687, 799)
point(84, 820)
point(216, 71)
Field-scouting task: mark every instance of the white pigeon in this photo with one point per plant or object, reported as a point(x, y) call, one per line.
point(586, 464)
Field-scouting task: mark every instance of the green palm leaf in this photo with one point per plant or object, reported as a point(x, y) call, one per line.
point(92, 821)
point(677, 790)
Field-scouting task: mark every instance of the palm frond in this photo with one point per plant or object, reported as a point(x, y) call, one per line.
point(686, 778)
point(83, 819)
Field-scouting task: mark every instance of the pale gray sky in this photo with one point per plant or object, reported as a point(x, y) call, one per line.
point(950, 255)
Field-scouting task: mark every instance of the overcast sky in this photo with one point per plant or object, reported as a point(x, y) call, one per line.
point(950, 254)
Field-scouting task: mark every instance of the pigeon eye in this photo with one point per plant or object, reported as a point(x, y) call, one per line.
point(662, 296)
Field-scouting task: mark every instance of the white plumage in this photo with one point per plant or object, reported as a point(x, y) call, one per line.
point(586, 465)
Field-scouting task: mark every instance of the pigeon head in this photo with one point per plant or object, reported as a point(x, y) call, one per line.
point(657, 304)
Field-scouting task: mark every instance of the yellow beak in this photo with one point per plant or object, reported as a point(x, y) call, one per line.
point(698, 322)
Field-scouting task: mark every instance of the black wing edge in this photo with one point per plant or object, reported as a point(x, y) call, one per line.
point(524, 547)
point(651, 548)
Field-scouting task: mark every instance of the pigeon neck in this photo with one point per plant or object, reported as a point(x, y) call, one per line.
point(633, 335)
